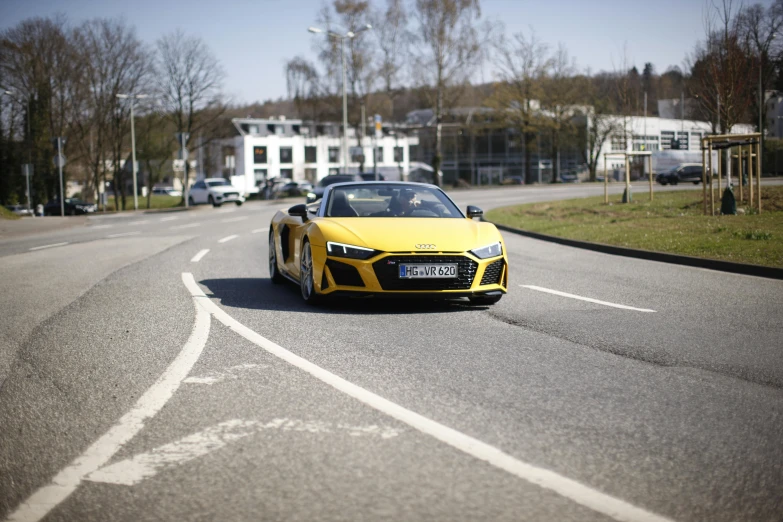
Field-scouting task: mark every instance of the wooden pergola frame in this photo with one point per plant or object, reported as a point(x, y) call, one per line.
point(626, 155)
point(730, 141)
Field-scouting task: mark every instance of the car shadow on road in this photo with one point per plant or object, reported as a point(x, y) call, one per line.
point(260, 294)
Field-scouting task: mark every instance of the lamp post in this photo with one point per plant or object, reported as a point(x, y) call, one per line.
point(132, 98)
point(341, 37)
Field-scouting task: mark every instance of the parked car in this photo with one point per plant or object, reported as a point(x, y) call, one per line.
point(569, 178)
point(513, 180)
point(293, 188)
point(19, 210)
point(73, 207)
point(215, 191)
point(684, 172)
point(369, 176)
point(167, 191)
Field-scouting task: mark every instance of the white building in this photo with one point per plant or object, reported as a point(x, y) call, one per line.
point(306, 151)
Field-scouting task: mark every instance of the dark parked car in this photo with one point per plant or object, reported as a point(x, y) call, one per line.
point(73, 207)
point(686, 172)
point(369, 176)
point(331, 179)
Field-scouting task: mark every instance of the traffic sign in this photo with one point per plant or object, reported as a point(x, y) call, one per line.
point(27, 169)
point(59, 160)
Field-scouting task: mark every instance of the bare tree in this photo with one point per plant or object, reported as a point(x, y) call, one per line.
point(447, 51)
point(523, 65)
point(303, 82)
point(189, 82)
point(391, 30)
point(560, 93)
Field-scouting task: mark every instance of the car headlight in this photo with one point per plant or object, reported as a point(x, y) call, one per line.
point(349, 251)
point(484, 252)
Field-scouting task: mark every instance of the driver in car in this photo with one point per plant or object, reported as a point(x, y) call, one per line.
point(404, 203)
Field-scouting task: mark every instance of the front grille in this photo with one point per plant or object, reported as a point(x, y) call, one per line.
point(230, 194)
point(344, 274)
point(388, 273)
point(492, 273)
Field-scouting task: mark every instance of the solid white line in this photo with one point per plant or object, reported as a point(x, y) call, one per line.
point(569, 488)
point(227, 211)
point(149, 404)
point(142, 222)
point(228, 238)
point(170, 218)
point(233, 220)
point(131, 471)
point(96, 227)
point(124, 234)
point(588, 299)
point(256, 231)
point(215, 377)
point(198, 256)
point(48, 246)
point(189, 225)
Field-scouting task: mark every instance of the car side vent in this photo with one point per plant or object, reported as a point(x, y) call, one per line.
point(285, 232)
point(324, 281)
point(344, 274)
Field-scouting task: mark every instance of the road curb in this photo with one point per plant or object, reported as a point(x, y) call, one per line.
point(711, 264)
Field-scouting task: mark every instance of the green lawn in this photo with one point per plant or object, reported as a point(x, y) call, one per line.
point(157, 201)
point(672, 223)
point(7, 214)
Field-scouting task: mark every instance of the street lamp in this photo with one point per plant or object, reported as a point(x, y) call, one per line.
point(133, 97)
point(349, 35)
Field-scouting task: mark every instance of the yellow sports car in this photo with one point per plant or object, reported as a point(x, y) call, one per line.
point(387, 239)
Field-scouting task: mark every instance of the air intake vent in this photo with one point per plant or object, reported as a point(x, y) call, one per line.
point(492, 273)
point(344, 274)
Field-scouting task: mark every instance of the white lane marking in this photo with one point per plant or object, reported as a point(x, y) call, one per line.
point(124, 234)
point(588, 299)
point(233, 220)
point(228, 238)
point(149, 404)
point(229, 373)
point(189, 225)
point(569, 488)
point(97, 227)
point(134, 470)
point(256, 231)
point(48, 246)
point(170, 218)
point(142, 222)
point(198, 256)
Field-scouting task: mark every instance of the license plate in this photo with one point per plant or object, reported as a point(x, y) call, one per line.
point(428, 271)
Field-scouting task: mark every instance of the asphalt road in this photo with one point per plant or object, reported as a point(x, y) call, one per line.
point(146, 379)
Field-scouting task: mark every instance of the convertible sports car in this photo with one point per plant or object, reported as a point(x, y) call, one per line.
point(388, 239)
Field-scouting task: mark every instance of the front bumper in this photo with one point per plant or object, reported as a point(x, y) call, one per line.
point(379, 275)
point(229, 197)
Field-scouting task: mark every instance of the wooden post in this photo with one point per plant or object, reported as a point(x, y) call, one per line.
point(720, 172)
point(627, 180)
point(751, 169)
point(704, 178)
point(606, 182)
point(712, 178)
point(649, 167)
point(758, 174)
point(741, 171)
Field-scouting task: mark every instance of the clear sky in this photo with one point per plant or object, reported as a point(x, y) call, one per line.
point(253, 38)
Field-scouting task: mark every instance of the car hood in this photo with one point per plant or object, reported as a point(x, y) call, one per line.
point(403, 234)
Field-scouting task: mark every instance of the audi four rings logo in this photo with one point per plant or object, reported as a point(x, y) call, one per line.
point(425, 246)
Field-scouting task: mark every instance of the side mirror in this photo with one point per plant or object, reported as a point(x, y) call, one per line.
point(474, 212)
point(311, 197)
point(298, 211)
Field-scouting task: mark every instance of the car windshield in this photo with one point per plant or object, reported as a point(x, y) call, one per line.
point(392, 200)
point(219, 183)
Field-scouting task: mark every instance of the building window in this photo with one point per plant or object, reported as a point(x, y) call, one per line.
point(398, 154)
point(334, 171)
point(259, 175)
point(334, 154)
point(259, 154)
point(379, 154)
point(286, 155)
point(667, 137)
point(311, 175)
point(310, 155)
point(287, 173)
point(618, 142)
point(682, 139)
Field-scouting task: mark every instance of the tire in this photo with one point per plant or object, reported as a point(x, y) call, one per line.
point(191, 202)
point(663, 183)
point(274, 272)
point(239, 203)
point(306, 281)
point(211, 201)
point(484, 300)
point(695, 182)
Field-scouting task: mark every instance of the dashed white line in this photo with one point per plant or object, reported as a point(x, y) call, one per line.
point(40, 503)
point(568, 488)
point(189, 225)
point(142, 222)
point(258, 230)
point(198, 256)
point(588, 299)
point(231, 373)
point(124, 234)
point(170, 218)
point(228, 238)
point(227, 211)
point(233, 220)
point(96, 227)
point(49, 246)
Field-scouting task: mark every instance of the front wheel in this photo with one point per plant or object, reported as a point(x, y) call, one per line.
point(306, 281)
point(484, 300)
point(239, 203)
